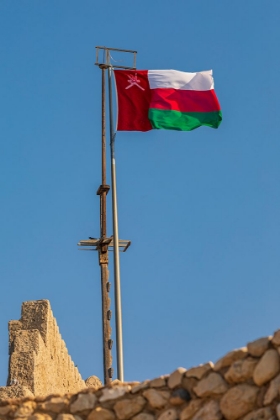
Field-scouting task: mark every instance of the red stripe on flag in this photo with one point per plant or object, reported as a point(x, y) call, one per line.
point(185, 100)
point(134, 95)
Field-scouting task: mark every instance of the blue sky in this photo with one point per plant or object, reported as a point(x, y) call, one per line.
point(201, 208)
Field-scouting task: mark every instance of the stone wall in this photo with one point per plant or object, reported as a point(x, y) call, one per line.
point(242, 385)
point(39, 362)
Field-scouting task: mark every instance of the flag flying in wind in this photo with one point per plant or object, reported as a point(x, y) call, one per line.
point(166, 99)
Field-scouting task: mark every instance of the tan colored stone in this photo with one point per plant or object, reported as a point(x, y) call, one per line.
point(273, 391)
point(143, 416)
point(199, 371)
point(15, 391)
point(261, 414)
point(210, 386)
point(239, 401)
point(54, 404)
point(241, 370)
point(276, 338)
point(191, 409)
point(258, 347)
point(267, 368)
point(133, 384)
point(7, 408)
point(100, 413)
point(157, 399)
point(93, 382)
point(230, 357)
point(25, 409)
point(278, 411)
point(114, 393)
point(140, 387)
point(82, 403)
point(40, 416)
point(175, 379)
point(158, 382)
point(66, 416)
point(39, 360)
point(170, 414)
point(210, 411)
point(127, 408)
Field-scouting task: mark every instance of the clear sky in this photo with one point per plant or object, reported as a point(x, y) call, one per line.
point(201, 208)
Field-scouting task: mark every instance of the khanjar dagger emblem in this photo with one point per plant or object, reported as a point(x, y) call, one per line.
point(134, 81)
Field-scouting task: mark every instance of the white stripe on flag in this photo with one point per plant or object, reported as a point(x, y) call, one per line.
point(173, 79)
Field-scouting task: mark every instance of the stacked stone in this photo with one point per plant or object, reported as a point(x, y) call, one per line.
point(242, 385)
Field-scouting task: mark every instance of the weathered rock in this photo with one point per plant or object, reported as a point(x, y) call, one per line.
point(66, 416)
point(241, 370)
point(170, 414)
point(261, 414)
point(7, 409)
point(191, 409)
point(273, 391)
point(157, 399)
point(276, 338)
point(175, 379)
point(143, 416)
point(158, 382)
point(230, 357)
point(278, 411)
point(82, 403)
point(127, 408)
point(179, 396)
point(39, 359)
point(258, 347)
point(267, 368)
point(40, 416)
point(25, 409)
point(212, 385)
point(93, 382)
point(15, 391)
point(114, 393)
point(100, 413)
point(239, 401)
point(210, 411)
point(54, 404)
point(140, 387)
point(199, 371)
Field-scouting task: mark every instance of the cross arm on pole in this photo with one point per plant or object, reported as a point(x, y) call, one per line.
point(95, 244)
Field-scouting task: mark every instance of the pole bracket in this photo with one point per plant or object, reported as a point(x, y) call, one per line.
point(102, 189)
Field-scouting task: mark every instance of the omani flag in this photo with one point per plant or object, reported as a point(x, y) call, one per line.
point(166, 99)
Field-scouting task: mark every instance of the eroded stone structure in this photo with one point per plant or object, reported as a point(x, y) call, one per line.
point(242, 385)
point(39, 362)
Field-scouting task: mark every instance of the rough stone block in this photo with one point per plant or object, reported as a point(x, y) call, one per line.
point(239, 401)
point(267, 368)
point(212, 385)
point(230, 357)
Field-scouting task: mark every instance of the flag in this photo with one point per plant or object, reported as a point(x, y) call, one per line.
point(166, 99)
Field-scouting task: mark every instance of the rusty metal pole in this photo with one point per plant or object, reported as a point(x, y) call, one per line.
point(103, 252)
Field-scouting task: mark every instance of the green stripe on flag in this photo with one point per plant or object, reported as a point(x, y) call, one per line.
point(183, 121)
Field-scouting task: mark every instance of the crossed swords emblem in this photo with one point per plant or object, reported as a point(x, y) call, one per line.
point(134, 81)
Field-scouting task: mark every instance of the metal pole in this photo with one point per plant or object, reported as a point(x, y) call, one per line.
point(103, 253)
point(118, 308)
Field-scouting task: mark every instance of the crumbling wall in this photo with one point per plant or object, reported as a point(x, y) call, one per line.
point(242, 385)
point(39, 360)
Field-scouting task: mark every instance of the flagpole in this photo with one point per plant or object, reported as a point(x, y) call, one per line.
point(117, 283)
